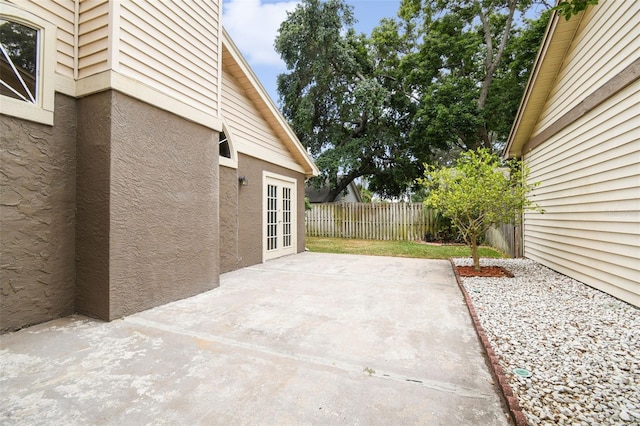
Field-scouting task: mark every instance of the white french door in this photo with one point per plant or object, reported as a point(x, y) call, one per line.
point(279, 218)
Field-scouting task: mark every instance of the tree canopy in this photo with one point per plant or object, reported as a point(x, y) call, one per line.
point(335, 102)
point(440, 78)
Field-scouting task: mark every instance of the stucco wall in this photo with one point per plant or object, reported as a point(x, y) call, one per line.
point(248, 225)
point(92, 229)
point(163, 207)
point(229, 249)
point(37, 218)
point(147, 207)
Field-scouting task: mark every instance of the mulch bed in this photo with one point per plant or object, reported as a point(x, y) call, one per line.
point(485, 271)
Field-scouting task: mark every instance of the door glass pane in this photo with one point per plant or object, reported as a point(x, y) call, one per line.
point(286, 217)
point(272, 217)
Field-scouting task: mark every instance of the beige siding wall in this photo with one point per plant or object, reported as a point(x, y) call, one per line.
point(172, 46)
point(590, 189)
point(93, 37)
point(62, 14)
point(249, 131)
point(605, 44)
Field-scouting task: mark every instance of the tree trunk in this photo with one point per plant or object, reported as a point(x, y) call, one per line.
point(474, 254)
point(492, 61)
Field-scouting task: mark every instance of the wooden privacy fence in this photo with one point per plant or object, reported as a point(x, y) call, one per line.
point(371, 221)
point(506, 238)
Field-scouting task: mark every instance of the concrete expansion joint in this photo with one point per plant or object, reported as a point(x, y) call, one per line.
point(341, 275)
point(500, 379)
point(439, 386)
point(354, 369)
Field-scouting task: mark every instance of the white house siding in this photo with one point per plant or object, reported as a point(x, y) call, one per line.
point(606, 42)
point(590, 189)
point(173, 47)
point(250, 132)
point(62, 14)
point(93, 37)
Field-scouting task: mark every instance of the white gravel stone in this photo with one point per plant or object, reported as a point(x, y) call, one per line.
point(581, 345)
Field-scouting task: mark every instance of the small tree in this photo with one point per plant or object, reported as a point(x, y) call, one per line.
point(478, 193)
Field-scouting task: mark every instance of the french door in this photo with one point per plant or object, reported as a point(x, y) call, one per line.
point(279, 218)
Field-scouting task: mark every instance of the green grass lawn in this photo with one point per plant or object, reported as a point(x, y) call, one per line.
point(394, 248)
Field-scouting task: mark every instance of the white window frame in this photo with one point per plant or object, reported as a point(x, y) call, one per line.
point(233, 161)
point(42, 111)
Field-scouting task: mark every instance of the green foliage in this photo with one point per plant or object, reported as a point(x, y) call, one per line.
point(20, 42)
point(478, 193)
point(365, 193)
point(474, 59)
point(445, 231)
point(334, 101)
point(511, 77)
point(569, 8)
point(442, 77)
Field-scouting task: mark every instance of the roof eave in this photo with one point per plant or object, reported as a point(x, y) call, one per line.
point(259, 94)
point(553, 49)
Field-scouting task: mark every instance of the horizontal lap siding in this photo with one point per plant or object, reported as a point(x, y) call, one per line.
point(93, 37)
point(590, 190)
point(62, 14)
point(172, 46)
point(249, 131)
point(594, 58)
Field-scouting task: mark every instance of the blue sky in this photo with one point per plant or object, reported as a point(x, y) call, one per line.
point(253, 25)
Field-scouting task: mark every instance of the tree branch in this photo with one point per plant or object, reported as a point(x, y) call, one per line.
point(486, 28)
point(491, 62)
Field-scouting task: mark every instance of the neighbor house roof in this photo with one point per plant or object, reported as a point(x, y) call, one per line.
point(321, 195)
point(554, 48)
point(242, 72)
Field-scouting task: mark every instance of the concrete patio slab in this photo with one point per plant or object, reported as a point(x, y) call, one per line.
point(306, 339)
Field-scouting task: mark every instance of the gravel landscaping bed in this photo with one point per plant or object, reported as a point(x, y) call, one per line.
point(580, 345)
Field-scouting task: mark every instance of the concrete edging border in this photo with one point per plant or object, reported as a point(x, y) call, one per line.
point(508, 398)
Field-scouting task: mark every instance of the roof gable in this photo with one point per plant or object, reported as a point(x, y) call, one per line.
point(234, 62)
point(581, 63)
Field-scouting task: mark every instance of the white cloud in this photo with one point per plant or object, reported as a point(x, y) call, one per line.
point(253, 25)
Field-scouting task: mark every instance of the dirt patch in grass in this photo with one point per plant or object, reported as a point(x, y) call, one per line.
point(485, 271)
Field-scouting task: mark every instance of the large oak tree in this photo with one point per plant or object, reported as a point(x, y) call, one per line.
point(442, 77)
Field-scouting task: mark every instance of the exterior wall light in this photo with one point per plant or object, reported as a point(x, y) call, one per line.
point(243, 181)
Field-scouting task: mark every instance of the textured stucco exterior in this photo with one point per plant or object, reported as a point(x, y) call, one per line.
point(37, 217)
point(147, 217)
point(92, 229)
point(229, 220)
point(111, 205)
point(110, 211)
point(241, 212)
point(164, 207)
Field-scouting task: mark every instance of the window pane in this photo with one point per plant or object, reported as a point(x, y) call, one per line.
point(18, 61)
point(286, 217)
point(223, 146)
point(272, 217)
